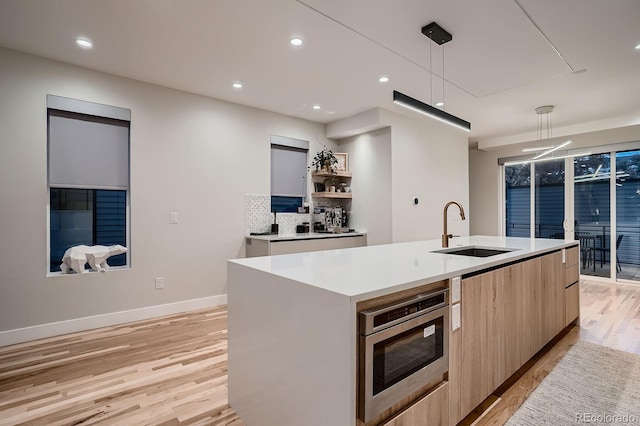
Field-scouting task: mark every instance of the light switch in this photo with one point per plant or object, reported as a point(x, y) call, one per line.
point(173, 217)
point(455, 317)
point(160, 283)
point(455, 289)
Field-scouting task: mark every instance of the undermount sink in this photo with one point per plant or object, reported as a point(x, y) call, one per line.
point(475, 251)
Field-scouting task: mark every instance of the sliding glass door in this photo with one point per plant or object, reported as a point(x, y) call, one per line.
point(549, 199)
point(626, 256)
point(603, 206)
point(518, 200)
point(592, 211)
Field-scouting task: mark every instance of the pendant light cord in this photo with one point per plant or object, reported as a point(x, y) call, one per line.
point(430, 71)
point(444, 104)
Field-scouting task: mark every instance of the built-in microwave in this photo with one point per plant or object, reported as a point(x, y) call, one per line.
point(403, 347)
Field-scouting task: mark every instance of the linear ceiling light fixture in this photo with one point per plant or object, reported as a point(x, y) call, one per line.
point(540, 160)
point(536, 148)
point(550, 150)
point(436, 34)
point(433, 112)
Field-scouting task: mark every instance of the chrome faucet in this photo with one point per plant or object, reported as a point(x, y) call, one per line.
point(445, 235)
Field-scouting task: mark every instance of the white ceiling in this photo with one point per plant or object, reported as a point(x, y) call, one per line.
point(498, 67)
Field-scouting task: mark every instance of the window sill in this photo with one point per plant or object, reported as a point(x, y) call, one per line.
point(89, 271)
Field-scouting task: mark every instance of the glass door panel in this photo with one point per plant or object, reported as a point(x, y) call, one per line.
point(549, 199)
point(518, 200)
point(592, 212)
point(627, 239)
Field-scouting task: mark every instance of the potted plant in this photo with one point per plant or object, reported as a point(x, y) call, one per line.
point(325, 161)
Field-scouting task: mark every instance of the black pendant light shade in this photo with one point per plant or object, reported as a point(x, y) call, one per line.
point(426, 109)
point(439, 35)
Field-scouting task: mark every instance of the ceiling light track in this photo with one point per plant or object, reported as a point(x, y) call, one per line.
point(544, 35)
point(377, 43)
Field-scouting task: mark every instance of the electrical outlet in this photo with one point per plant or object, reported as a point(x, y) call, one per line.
point(159, 283)
point(173, 218)
point(455, 317)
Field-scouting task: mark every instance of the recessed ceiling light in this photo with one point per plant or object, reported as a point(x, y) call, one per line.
point(383, 79)
point(296, 41)
point(316, 107)
point(84, 42)
point(439, 104)
point(638, 46)
point(237, 85)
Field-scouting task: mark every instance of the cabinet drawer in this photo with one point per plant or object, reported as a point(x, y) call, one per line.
point(432, 410)
point(572, 256)
point(572, 303)
point(571, 274)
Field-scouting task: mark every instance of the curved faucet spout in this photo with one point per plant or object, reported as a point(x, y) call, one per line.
point(445, 235)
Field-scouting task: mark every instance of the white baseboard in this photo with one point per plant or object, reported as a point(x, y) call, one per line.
point(27, 334)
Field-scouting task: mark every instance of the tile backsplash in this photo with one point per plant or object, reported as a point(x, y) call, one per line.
point(258, 216)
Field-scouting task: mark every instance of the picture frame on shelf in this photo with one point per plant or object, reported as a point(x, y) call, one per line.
point(343, 162)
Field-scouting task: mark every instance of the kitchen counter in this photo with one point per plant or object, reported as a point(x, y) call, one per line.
point(372, 271)
point(270, 245)
point(293, 320)
point(304, 236)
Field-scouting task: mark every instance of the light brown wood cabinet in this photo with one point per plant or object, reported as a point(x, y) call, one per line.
point(432, 410)
point(553, 303)
point(508, 315)
point(572, 287)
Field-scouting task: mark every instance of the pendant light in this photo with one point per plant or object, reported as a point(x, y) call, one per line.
point(436, 34)
point(545, 131)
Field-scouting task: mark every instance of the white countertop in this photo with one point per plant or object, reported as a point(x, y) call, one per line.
point(365, 272)
point(304, 236)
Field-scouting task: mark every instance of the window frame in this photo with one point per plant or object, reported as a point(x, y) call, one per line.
point(99, 112)
point(292, 144)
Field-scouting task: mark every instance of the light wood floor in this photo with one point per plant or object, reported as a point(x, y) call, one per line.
point(173, 370)
point(165, 371)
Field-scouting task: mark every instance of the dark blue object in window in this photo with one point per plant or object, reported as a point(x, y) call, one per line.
point(281, 204)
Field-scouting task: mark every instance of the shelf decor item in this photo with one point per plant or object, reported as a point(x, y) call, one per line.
point(343, 162)
point(325, 160)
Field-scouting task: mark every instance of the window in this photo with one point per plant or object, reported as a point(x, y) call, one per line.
point(602, 209)
point(549, 198)
point(88, 171)
point(288, 174)
point(518, 200)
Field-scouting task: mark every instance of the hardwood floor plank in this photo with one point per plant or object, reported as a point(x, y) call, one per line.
point(173, 370)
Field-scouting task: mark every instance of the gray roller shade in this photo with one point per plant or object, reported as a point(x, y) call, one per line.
point(288, 171)
point(87, 151)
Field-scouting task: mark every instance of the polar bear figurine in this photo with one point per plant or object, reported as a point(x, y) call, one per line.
point(76, 257)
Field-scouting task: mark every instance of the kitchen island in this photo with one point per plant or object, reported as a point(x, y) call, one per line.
point(293, 323)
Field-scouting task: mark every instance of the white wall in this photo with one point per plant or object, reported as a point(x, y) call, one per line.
point(370, 163)
point(430, 161)
point(191, 154)
point(485, 176)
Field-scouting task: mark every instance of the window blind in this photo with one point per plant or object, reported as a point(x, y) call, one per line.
point(288, 171)
point(88, 151)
